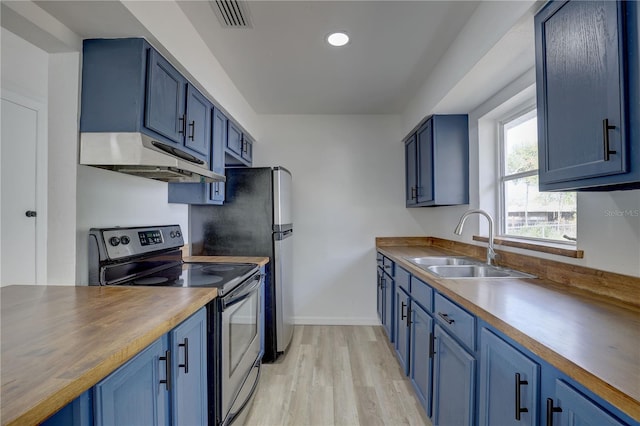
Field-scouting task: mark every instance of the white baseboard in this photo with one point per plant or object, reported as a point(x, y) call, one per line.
point(335, 321)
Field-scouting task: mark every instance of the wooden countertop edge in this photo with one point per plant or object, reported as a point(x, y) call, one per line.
point(259, 260)
point(67, 393)
point(615, 396)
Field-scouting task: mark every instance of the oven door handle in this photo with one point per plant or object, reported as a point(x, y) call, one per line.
point(242, 293)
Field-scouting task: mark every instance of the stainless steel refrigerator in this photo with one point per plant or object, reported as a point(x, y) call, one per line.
point(255, 220)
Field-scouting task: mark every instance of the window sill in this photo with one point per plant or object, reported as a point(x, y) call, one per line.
point(534, 246)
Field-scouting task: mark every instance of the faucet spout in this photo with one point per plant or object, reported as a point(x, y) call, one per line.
point(491, 254)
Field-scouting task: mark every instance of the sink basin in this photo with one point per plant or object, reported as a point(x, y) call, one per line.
point(475, 271)
point(441, 260)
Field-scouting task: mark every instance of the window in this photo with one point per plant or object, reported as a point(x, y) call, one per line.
point(525, 212)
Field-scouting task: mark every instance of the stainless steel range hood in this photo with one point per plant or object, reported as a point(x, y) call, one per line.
point(138, 154)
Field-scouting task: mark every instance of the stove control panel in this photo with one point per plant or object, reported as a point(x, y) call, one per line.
point(125, 242)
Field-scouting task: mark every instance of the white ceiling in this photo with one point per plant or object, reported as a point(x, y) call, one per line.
point(282, 64)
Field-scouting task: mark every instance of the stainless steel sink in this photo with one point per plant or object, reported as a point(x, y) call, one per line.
point(441, 260)
point(475, 271)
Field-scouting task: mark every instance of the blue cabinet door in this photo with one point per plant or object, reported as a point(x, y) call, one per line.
point(247, 148)
point(401, 333)
point(380, 296)
point(189, 370)
point(411, 170)
point(138, 392)
point(509, 384)
point(437, 162)
point(165, 99)
point(578, 410)
point(234, 139)
point(453, 382)
point(580, 79)
point(421, 355)
point(198, 135)
point(218, 142)
point(388, 287)
point(425, 162)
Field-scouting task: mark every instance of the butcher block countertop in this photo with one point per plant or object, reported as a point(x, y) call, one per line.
point(591, 339)
point(57, 341)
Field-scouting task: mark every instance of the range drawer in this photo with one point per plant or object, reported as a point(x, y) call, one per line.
point(455, 320)
point(422, 293)
point(403, 279)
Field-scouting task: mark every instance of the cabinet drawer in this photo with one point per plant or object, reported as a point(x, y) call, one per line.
point(388, 265)
point(402, 278)
point(379, 259)
point(455, 320)
point(422, 293)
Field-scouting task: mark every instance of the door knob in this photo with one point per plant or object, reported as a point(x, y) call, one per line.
point(31, 213)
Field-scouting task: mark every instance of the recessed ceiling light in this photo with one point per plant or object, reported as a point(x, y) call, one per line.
point(338, 39)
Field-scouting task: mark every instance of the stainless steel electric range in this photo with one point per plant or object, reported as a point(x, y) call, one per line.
point(152, 256)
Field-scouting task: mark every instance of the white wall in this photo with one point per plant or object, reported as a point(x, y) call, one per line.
point(107, 199)
point(348, 188)
point(24, 67)
point(64, 90)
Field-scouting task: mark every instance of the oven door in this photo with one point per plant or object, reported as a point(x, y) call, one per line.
point(240, 338)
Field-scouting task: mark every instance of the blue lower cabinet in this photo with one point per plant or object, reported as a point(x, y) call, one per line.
point(509, 384)
point(189, 371)
point(401, 332)
point(379, 296)
point(388, 289)
point(571, 408)
point(165, 384)
point(420, 354)
point(138, 392)
point(454, 382)
point(79, 412)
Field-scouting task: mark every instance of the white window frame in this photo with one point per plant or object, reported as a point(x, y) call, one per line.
point(521, 113)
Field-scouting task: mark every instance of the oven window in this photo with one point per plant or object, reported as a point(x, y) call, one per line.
point(243, 329)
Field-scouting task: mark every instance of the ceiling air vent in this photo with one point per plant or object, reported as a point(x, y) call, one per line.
point(231, 13)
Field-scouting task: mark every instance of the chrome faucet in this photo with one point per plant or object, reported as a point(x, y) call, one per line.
point(491, 254)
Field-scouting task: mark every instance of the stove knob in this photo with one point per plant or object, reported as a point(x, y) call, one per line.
point(125, 240)
point(172, 234)
point(114, 241)
point(178, 234)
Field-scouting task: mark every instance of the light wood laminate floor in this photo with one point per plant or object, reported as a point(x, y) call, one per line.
point(336, 375)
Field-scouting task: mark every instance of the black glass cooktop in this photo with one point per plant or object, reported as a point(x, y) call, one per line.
point(217, 275)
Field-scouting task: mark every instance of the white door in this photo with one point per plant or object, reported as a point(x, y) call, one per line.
point(22, 249)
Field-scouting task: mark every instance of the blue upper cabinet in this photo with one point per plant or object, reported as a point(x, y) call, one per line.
point(238, 147)
point(127, 86)
point(437, 162)
point(165, 100)
point(206, 193)
point(234, 139)
point(411, 170)
point(247, 148)
point(198, 127)
point(587, 60)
